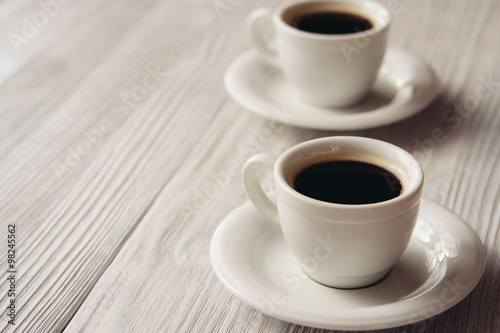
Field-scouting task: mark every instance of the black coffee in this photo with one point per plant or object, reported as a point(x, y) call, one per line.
point(331, 23)
point(347, 182)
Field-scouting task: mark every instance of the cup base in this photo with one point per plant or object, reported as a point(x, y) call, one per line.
point(343, 282)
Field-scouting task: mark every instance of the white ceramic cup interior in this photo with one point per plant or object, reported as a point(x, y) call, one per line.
point(340, 245)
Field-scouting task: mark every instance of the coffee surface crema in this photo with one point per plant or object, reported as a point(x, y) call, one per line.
point(347, 182)
point(329, 22)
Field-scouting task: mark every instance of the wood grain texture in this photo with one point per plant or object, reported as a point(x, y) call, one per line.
point(115, 127)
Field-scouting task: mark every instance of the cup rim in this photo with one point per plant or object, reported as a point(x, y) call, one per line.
point(384, 21)
point(408, 196)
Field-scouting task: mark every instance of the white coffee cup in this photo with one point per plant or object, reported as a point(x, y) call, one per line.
point(332, 70)
point(340, 245)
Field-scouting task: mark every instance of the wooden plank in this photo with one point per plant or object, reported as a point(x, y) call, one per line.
point(78, 217)
point(56, 59)
point(177, 292)
point(116, 199)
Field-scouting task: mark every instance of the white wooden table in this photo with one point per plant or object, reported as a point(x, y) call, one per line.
point(114, 125)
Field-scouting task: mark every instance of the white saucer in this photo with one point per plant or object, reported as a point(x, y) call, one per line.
point(405, 85)
point(442, 264)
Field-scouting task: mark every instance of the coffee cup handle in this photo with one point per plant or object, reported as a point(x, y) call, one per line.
point(253, 188)
point(255, 37)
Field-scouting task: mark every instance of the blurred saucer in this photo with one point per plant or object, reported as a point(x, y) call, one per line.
point(405, 85)
point(442, 264)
